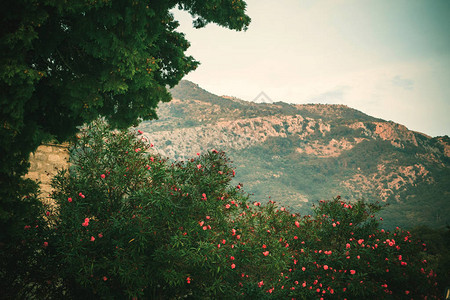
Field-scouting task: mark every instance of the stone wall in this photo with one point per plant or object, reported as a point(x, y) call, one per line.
point(45, 163)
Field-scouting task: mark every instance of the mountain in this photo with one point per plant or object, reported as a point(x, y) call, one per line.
point(299, 154)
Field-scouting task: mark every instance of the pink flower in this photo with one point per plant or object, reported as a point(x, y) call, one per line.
point(86, 222)
point(204, 197)
point(360, 241)
point(100, 235)
point(227, 206)
point(105, 278)
point(92, 238)
point(69, 199)
point(334, 224)
point(352, 272)
point(199, 166)
point(297, 224)
point(325, 267)
point(140, 132)
point(188, 280)
point(233, 266)
point(265, 253)
point(45, 244)
point(303, 269)
point(81, 195)
point(103, 176)
point(261, 283)
point(201, 223)
point(347, 246)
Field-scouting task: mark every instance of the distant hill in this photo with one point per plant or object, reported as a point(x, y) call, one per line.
point(299, 154)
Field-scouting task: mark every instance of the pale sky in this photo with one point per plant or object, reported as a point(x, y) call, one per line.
point(387, 58)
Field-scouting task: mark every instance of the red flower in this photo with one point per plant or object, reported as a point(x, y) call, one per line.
point(45, 244)
point(92, 238)
point(140, 132)
point(105, 278)
point(352, 272)
point(266, 253)
point(69, 199)
point(325, 267)
point(261, 283)
point(100, 235)
point(188, 280)
point(233, 266)
point(86, 222)
point(297, 224)
point(103, 176)
point(199, 166)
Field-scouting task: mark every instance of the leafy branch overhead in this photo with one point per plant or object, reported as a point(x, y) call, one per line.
point(65, 63)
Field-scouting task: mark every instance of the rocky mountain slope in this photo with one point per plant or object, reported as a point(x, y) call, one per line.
point(298, 154)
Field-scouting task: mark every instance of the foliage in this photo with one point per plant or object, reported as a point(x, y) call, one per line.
point(64, 63)
point(129, 224)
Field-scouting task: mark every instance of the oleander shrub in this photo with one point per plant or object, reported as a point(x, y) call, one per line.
point(129, 224)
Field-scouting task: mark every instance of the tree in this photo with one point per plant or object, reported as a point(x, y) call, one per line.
point(64, 63)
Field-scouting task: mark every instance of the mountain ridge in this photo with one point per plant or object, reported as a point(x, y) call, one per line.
point(301, 153)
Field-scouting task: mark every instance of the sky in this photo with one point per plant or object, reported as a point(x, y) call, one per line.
point(387, 58)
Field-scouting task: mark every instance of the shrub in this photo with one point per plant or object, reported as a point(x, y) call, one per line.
point(129, 224)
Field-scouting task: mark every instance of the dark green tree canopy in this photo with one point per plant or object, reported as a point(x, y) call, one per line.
point(64, 63)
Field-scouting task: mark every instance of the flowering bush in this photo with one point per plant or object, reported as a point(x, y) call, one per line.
point(129, 224)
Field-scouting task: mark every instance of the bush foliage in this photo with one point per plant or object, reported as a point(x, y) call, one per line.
point(129, 224)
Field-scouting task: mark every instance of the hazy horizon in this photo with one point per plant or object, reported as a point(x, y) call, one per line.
point(388, 59)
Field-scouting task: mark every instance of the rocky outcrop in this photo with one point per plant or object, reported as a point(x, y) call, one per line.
point(45, 163)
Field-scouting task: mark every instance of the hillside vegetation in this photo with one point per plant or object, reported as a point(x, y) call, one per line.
point(299, 154)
